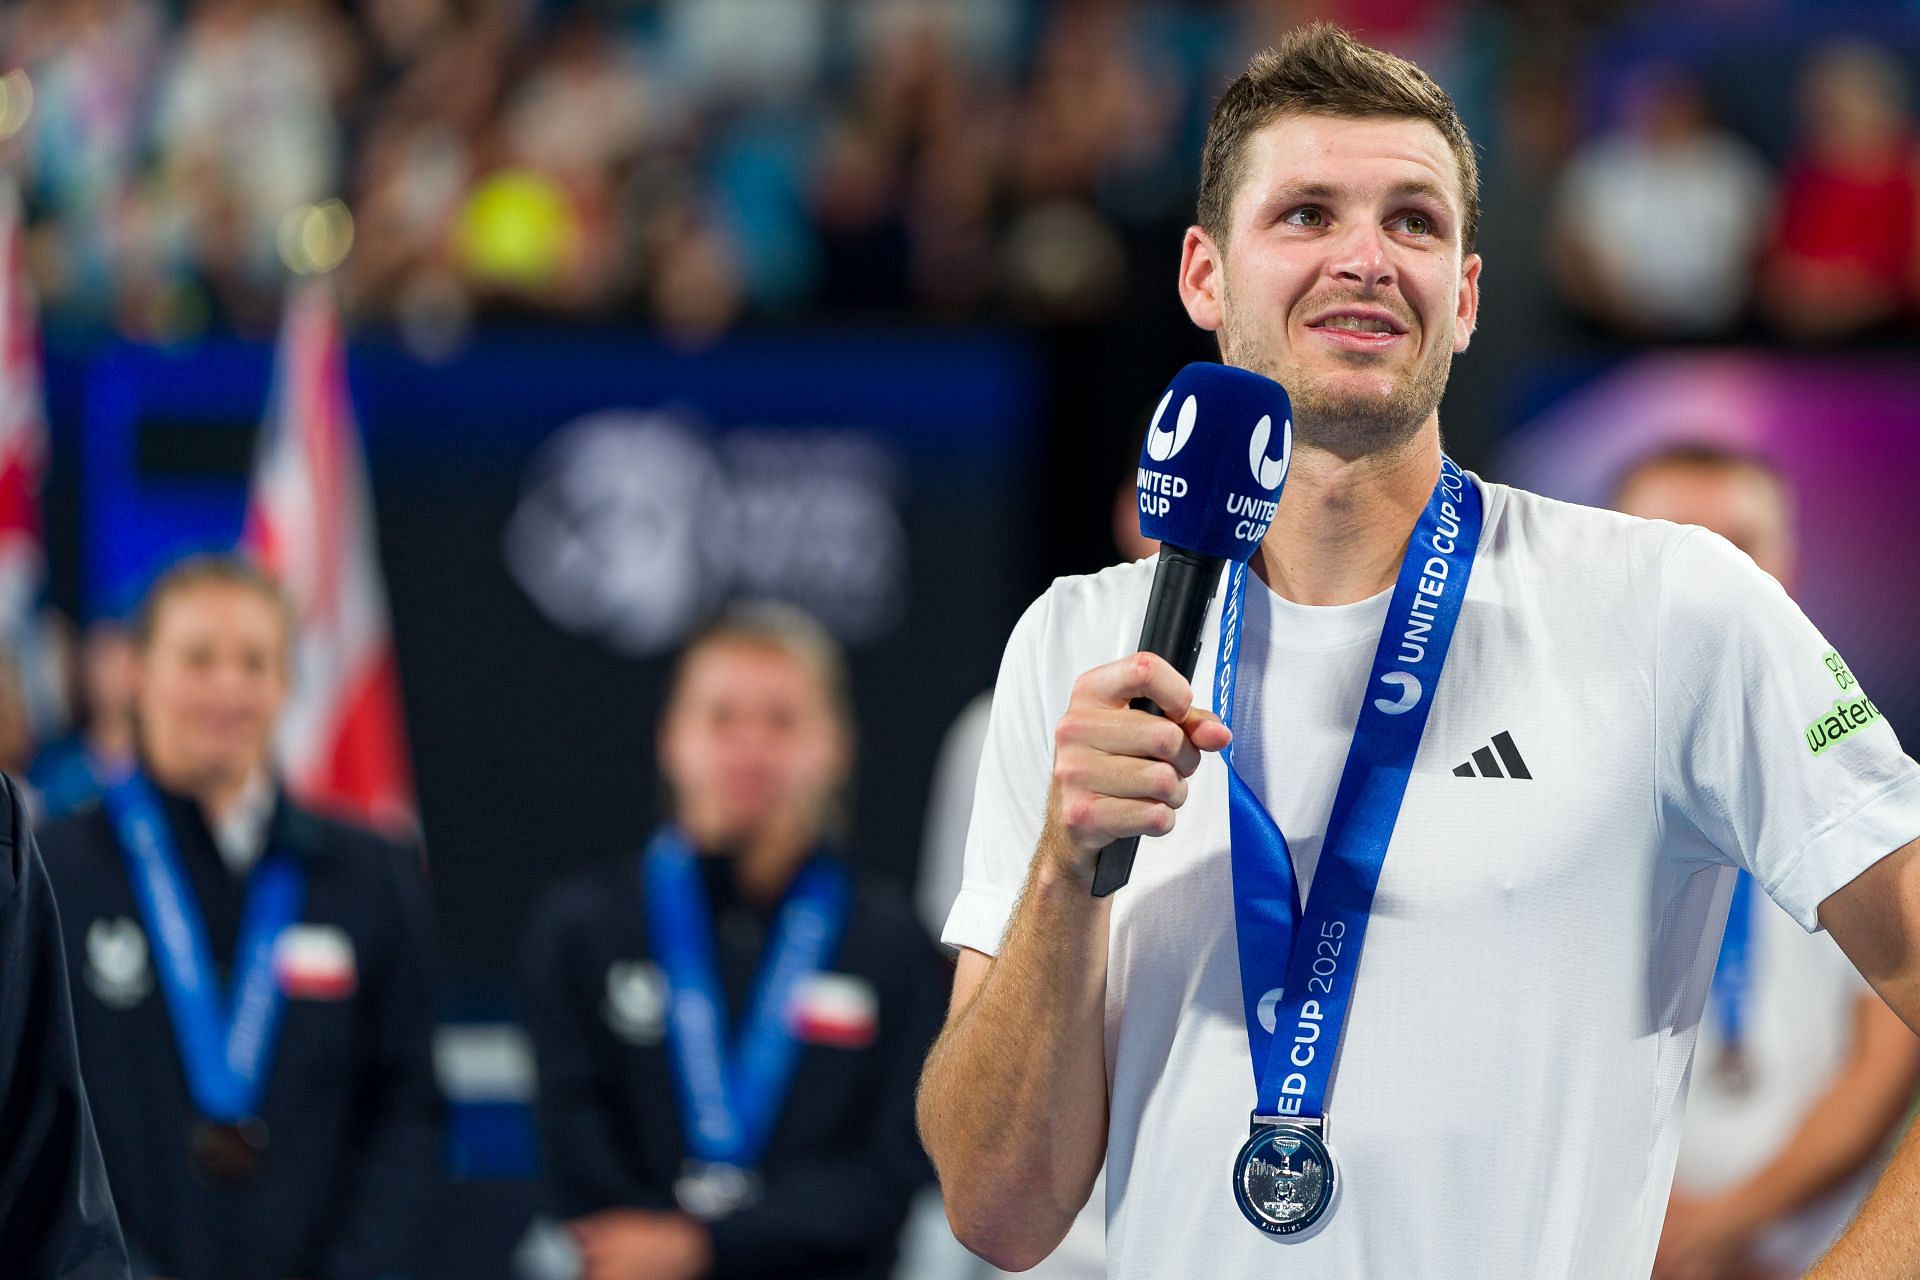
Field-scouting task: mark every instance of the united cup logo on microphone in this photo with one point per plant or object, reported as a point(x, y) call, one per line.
point(1162, 445)
point(1210, 482)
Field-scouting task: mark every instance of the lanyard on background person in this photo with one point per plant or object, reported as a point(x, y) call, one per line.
point(1732, 985)
point(1298, 963)
point(729, 1101)
point(226, 1044)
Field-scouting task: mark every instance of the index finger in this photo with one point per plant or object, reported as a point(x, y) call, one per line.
point(1142, 675)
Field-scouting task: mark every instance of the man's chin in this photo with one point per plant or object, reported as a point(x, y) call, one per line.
point(1355, 424)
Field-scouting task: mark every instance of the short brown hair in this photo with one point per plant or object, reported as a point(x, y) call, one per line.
point(205, 571)
point(1701, 456)
point(769, 624)
point(797, 634)
point(1322, 70)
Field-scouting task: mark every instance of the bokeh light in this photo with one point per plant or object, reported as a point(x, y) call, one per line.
point(16, 102)
point(316, 238)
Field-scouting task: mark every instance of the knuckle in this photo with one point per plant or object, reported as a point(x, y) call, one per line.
point(1160, 820)
point(1069, 730)
point(1179, 695)
point(1079, 810)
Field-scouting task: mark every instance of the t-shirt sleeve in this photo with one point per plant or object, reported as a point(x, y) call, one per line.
point(1010, 794)
point(1769, 750)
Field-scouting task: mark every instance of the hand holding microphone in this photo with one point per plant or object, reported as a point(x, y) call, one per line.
point(1118, 773)
point(1209, 483)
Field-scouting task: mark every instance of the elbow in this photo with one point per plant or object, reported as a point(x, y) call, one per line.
point(1000, 1240)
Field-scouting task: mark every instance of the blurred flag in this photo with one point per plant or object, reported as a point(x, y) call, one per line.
point(310, 525)
point(23, 459)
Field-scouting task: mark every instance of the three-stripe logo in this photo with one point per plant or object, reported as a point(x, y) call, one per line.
point(1490, 767)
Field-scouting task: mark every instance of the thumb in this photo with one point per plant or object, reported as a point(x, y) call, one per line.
point(1206, 730)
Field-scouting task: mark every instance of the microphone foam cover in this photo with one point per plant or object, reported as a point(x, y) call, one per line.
point(1214, 459)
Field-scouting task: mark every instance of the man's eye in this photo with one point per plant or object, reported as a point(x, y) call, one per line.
point(1418, 224)
point(1307, 216)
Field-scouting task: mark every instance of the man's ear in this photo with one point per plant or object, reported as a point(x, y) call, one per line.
point(1202, 279)
point(1467, 312)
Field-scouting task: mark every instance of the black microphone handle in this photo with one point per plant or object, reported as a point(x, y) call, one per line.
point(1183, 586)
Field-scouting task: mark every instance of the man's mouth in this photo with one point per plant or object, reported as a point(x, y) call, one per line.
point(1358, 324)
point(1358, 328)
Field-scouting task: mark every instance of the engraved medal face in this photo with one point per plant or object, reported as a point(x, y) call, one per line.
point(1283, 1179)
point(711, 1192)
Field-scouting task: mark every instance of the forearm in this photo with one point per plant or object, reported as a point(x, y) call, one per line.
point(1013, 1101)
point(1839, 1135)
point(1881, 1243)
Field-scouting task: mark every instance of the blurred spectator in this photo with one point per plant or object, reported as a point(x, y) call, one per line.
point(1847, 254)
point(796, 1155)
point(245, 129)
point(1658, 223)
point(251, 984)
point(91, 63)
point(703, 163)
point(542, 224)
point(735, 49)
point(70, 773)
point(1803, 1073)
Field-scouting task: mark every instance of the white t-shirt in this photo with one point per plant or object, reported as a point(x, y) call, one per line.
point(1673, 228)
point(1508, 1093)
point(1796, 1035)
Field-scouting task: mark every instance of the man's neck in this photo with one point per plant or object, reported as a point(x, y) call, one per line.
point(764, 862)
point(1343, 523)
point(110, 740)
point(218, 795)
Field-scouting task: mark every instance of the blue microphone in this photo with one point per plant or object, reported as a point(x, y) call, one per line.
point(1211, 469)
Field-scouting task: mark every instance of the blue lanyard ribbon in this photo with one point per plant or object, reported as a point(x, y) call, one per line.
point(1733, 971)
point(1306, 958)
point(729, 1102)
point(225, 1048)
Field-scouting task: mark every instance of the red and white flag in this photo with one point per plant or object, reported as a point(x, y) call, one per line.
point(835, 1009)
point(310, 526)
point(23, 460)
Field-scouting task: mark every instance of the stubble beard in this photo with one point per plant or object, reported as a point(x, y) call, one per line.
point(1333, 417)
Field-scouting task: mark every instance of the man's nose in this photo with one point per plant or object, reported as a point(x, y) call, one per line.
point(1361, 258)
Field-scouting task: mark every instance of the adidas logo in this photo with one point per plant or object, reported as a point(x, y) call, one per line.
point(1490, 767)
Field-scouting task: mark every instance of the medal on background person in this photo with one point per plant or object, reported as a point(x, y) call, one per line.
point(1300, 961)
point(1728, 995)
point(226, 1041)
point(729, 1101)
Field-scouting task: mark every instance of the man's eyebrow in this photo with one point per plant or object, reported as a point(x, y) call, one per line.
point(1421, 187)
point(1304, 191)
point(1309, 190)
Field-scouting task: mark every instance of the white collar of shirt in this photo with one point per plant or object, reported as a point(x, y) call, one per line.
point(241, 836)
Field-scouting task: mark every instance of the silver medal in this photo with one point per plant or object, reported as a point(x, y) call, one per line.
point(712, 1191)
point(1284, 1177)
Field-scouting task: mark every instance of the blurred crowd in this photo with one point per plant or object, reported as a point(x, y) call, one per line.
point(691, 164)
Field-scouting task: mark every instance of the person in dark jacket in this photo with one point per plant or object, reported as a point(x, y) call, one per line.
point(252, 985)
point(728, 1026)
point(56, 1214)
